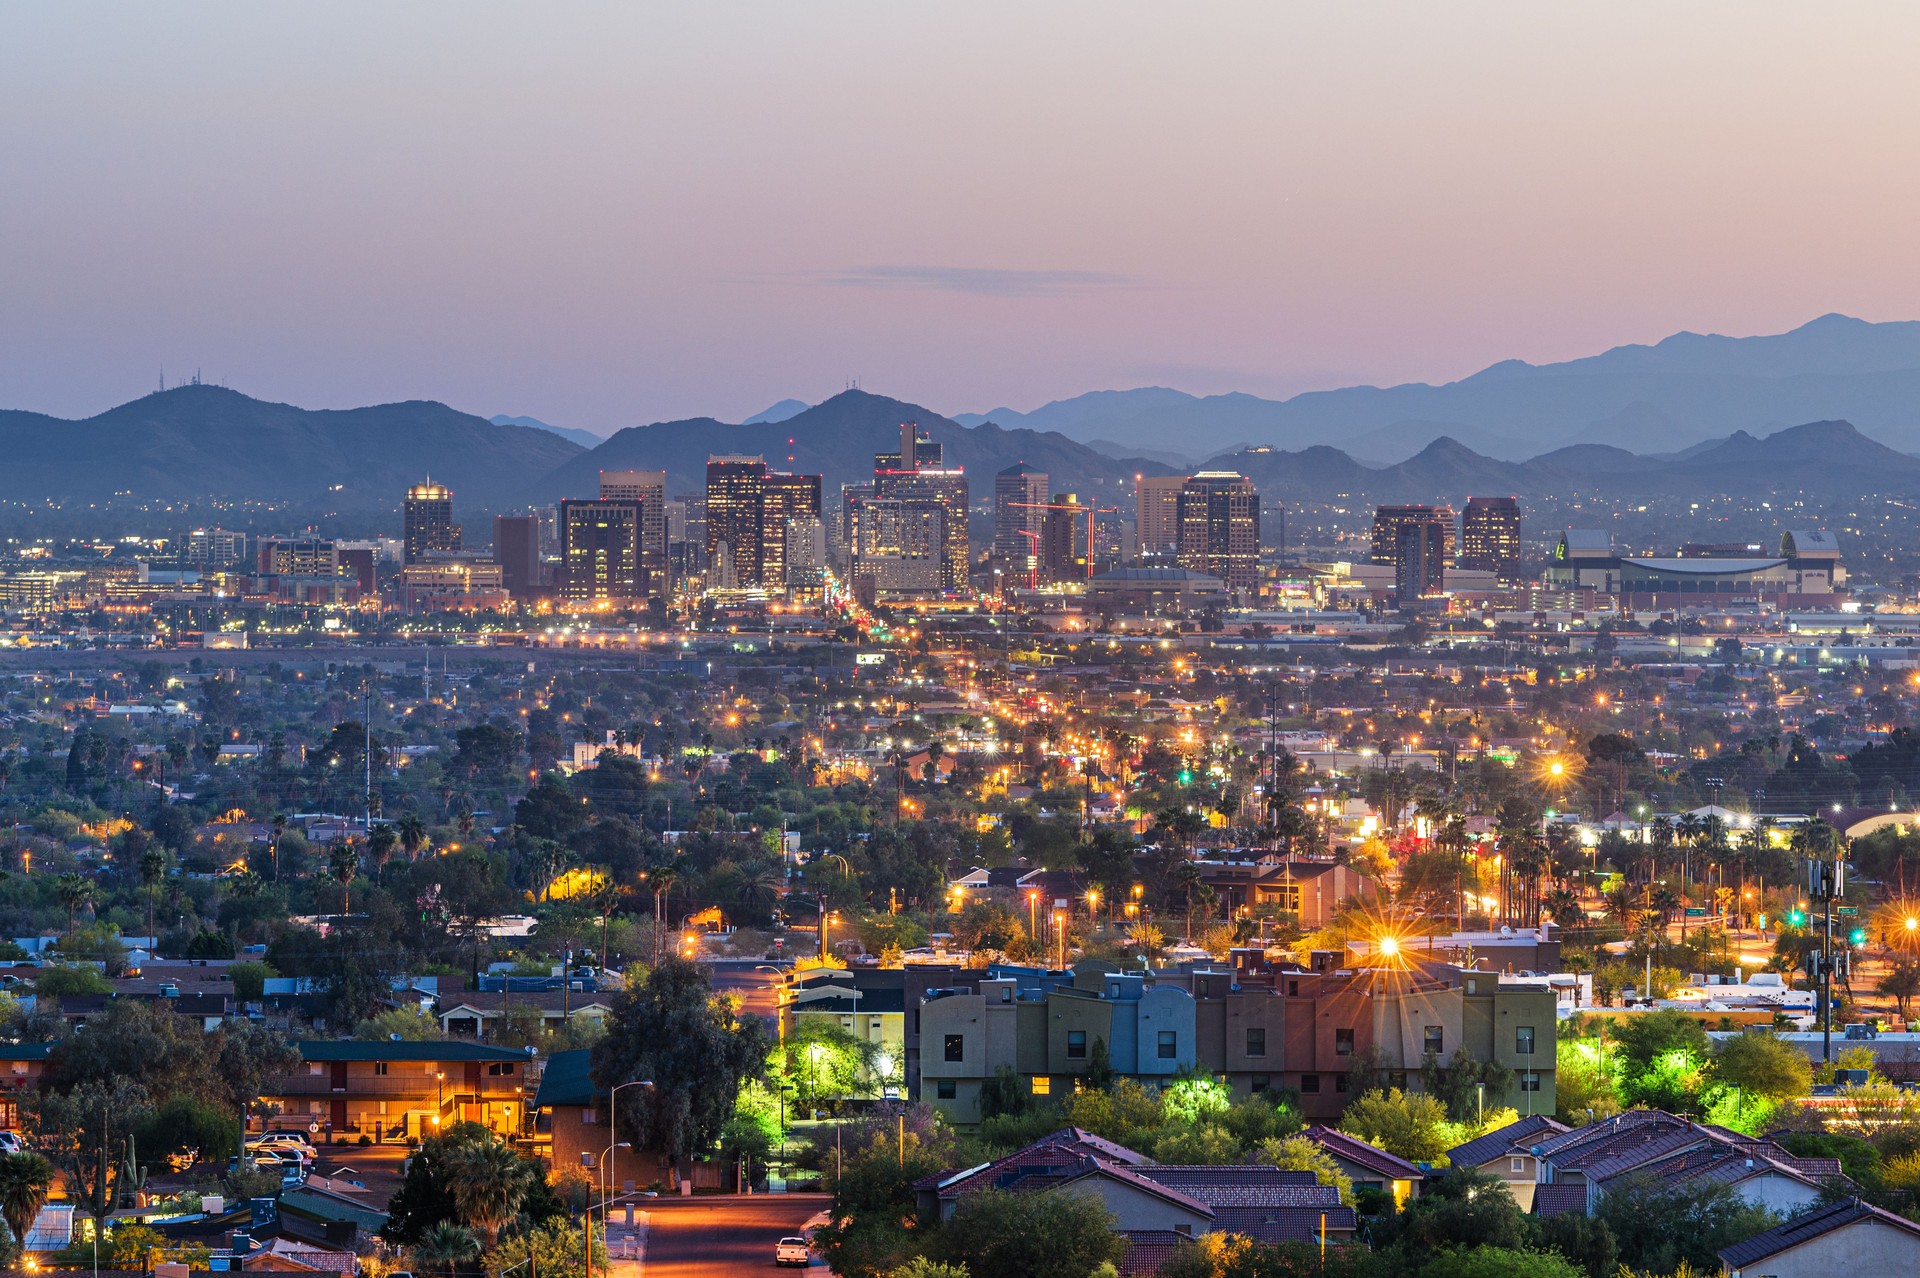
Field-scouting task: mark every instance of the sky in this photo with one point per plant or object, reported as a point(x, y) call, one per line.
point(603, 215)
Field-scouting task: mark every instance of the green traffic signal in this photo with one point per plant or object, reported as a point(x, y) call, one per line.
point(1858, 936)
point(1796, 919)
point(1186, 777)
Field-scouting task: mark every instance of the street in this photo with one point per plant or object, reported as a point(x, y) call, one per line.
point(715, 1236)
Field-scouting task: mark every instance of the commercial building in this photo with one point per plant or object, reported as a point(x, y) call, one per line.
point(427, 521)
point(516, 548)
point(1388, 520)
point(392, 1090)
point(1157, 513)
point(1490, 536)
point(1806, 573)
point(1156, 591)
point(215, 548)
point(1219, 528)
point(1018, 493)
point(748, 506)
point(600, 557)
point(897, 546)
point(649, 488)
point(916, 475)
point(1420, 560)
point(1066, 540)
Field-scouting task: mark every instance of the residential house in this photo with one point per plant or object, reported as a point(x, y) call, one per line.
point(1368, 1166)
point(572, 1127)
point(21, 1065)
point(1847, 1237)
point(1507, 1152)
point(1576, 1168)
point(481, 1014)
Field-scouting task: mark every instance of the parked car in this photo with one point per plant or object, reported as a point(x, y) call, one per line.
point(282, 1140)
point(11, 1143)
point(792, 1251)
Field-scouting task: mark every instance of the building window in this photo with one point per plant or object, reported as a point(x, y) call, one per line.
point(1169, 1045)
point(589, 1118)
point(1529, 1082)
point(1261, 1083)
point(1339, 1082)
point(380, 1067)
point(956, 1047)
point(1076, 1045)
point(1309, 1084)
point(1293, 989)
point(1398, 1079)
point(1042, 1085)
point(1433, 1040)
point(315, 1068)
point(1343, 1042)
point(946, 1089)
point(1516, 1164)
point(1523, 1040)
point(1257, 1042)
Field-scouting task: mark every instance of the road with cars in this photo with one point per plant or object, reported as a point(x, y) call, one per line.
point(711, 1237)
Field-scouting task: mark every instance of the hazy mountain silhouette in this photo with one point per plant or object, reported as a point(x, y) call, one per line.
point(208, 441)
point(1660, 398)
point(584, 438)
point(779, 412)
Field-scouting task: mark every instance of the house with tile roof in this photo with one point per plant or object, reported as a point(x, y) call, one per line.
point(391, 1090)
point(1369, 1166)
point(1847, 1237)
point(1507, 1152)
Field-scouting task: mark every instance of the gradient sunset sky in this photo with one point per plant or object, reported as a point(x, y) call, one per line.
point(603, 215)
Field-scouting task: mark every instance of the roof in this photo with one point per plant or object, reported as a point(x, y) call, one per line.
point(24, 1051)
point(321, 1205)
point(1496, 1143)
point(1559, 1199)
point(1802, 541)
point(1166, 576)
point(1814, 1224)
point(52, 1228)
point(568, 1080)
point(1091, 1165)
point(1361, 1154)
point(1285, 1224)
point(332, 1049)
point(1703, 567)
point(1149, 1249)
point(1587, 539)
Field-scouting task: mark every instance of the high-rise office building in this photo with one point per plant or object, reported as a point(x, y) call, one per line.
point(1066, 540)
point(1219, 522)
point(1490, 536)
point(926, 479)
point(215, 548)
point(1157, 513)
point(897, 547)
point(600, 551)
point(649, 488)
point(1385, 542)
point(748, 507)
point(427, 522)
point(1019, 492)
point(516, 548)
point(1420, 559)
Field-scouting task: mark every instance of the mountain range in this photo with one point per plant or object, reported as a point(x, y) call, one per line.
point(1603, 436)
point(1679, 392)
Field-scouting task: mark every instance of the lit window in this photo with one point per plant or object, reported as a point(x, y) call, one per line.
point(1042, 1085)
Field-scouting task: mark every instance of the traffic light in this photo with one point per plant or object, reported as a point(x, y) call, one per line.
point(1857, 937)
point(1796, 918)
point(1186, 776)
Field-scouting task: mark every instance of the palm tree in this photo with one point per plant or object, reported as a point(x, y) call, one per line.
point(1563, 907)
point(74, 892)
point(153, 868)
point(381, 843)
point(343, 863)
point(446, 1246)
point(25, 1182)
point(413, 834)
point(489, 1182)
point(279, 832)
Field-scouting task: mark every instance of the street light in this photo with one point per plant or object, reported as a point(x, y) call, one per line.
point(613, 1116)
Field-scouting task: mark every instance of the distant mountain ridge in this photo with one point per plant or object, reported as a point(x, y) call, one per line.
point(208, 441)
point(584, 438)
point(1663, 397)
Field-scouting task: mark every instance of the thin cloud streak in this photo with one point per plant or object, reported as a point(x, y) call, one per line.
point(979, 281)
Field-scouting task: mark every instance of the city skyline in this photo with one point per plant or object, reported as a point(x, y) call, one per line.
point(1287, 200)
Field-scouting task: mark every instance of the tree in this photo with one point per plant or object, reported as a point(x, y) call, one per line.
point(1302, 1153)
point(153, 868)
point(1410, 1125)
point(1763, 1067)
point(445, 1247)
point(1499, 1262)
point(1040, 1235)
point(26, 1180)
point(83, 1132)
point(408, 1024)
point(426, 1196)
point(1901, 983)
point(343, 865)
point(246, 1054)
point(1638, 1040)
point(1660, 1225)
point(671, 1031)
point(489, 1181)
point(138, 1042)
